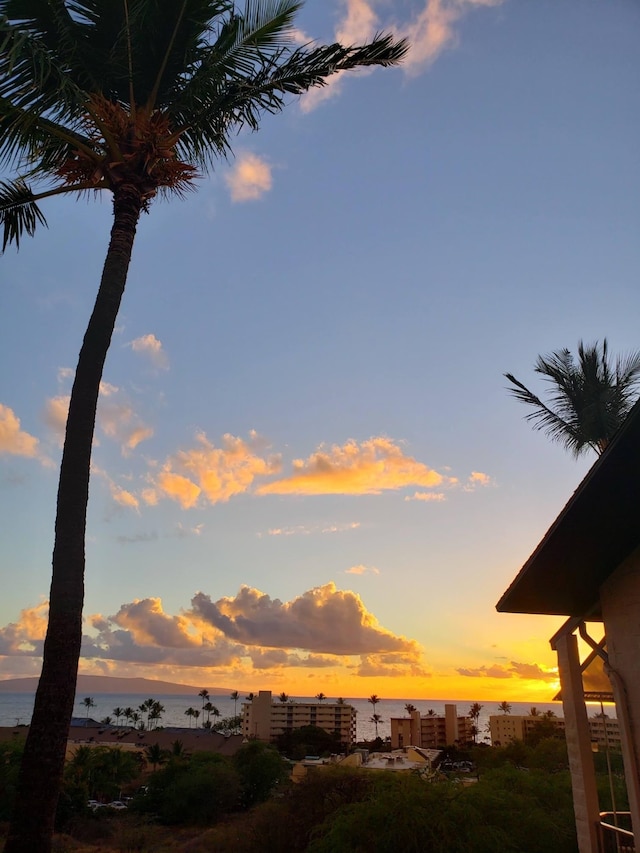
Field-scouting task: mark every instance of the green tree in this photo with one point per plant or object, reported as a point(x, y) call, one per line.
point(133, 98)
point(261, 769)
point(156, 755)
point(589, 398)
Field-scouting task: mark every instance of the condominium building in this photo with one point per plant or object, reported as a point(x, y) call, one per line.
point(431, 731)
point(506, 728)
point(264, 719)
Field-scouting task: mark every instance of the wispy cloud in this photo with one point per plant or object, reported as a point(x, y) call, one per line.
point(429, 32)
point(249, 178)
point(437, 497)
point(308, 530)
point(361, 569)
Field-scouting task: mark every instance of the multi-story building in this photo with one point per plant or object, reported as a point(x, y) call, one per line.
point(506, 728)
point(432, 731)
point(264, 719)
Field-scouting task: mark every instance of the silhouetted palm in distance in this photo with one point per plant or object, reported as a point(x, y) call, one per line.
point(136, 98)
point(589, 397)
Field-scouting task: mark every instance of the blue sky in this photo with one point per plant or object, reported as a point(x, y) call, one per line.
point(346, 292)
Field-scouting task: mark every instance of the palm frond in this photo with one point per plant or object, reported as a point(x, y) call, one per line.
point(19, 213)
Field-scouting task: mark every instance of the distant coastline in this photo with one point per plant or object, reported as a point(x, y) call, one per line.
point(97, 684)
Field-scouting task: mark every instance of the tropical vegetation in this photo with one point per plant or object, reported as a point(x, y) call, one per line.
point(136, 98)
point(589, 398)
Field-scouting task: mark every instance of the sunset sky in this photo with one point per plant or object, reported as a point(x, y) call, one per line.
point(308, 474)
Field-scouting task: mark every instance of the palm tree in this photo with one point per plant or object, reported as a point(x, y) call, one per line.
point(204, 694)
point(196, 714)
point(135, 98)
point(88, 704)
point(373, 699)
point(128, 713)
point(409, 708)
point(283, 697)
point(155, 755)
point(533, 711)
point(235, 696)
point(589, 399)
point(341, 701)
point(320, 697)
point(117, 713)
point(250, 697)
point(190, 712)
point(474, 713)
point(375, 719)
point(504, 707)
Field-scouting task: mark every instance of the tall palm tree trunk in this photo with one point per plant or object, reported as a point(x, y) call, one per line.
point(33, 818)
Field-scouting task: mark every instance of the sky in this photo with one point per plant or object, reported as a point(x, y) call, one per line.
point(308, 474)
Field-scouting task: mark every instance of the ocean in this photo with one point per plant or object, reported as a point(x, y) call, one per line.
point(16, 709)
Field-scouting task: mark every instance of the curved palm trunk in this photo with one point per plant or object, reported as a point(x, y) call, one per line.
point(40, 779)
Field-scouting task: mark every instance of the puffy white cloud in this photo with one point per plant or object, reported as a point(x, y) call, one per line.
point(151, 347)
point(324, 619)
point(14, 441)
point(249, 178)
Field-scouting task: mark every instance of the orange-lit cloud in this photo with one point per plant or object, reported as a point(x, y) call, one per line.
point(362, 570)
point(477, 479)
point(324, 619)
point(26, 636)
point(249, 179)
point(211, 474)
point(529, 671)
point(368, 468)
point(14, 441)
point(151, 347)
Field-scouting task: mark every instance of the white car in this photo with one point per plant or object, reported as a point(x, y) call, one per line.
point(117, 804)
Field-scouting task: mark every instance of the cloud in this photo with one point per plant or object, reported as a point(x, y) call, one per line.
point(123, 497)
point(14, 441)
point(437, 497)
point(26, 636)
point(307, 530)
point(324, 619)
point(151, 347)
point(117, 420)
point(433, 30)
point(249, 179)
point(477, 480)
point(529, 671)
point(211, 474)
point(368, 468)
point(429, 32)
point(362, 570)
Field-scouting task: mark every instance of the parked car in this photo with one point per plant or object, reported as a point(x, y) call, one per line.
point(117, 804)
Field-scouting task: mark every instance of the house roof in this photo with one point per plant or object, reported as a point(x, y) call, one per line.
point(598, 528)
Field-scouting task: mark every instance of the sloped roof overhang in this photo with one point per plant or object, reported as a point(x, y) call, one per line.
point(598, 528)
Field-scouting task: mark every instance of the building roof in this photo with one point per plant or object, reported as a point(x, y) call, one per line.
point(598, 528)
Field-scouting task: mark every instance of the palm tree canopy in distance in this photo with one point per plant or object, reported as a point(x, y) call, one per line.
point(137, 98)
point(589, 399)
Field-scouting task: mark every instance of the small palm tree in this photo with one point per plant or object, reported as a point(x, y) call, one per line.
point(341, 701)
point(283, 697)
point(504, 707)
point(533, 711)
point(589, 399)
point(117, 713)
point(190, 712)
point(409, 708)
point(235, 696)
point(204, 695)
point(320, 697)
point(136, 99)
point(88, 704)
point(250, 697)
point(373, 699)
point(128, 713)
point(375, 719)
point(474, 713)
point(155, 755)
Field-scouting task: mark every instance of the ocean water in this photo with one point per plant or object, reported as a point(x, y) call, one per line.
point(16, 708)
